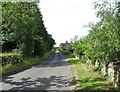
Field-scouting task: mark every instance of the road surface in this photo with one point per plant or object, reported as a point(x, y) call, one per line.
point(53, 74)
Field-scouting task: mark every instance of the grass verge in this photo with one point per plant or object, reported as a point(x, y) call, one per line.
point(14, 68)
point(87, 78)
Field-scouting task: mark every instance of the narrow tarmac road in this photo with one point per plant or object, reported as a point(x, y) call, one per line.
point(53, 74)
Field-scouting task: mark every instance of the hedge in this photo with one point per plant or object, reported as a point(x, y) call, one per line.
point(10, 58)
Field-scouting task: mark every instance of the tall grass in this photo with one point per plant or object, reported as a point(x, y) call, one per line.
point(27, 63)
point(89, 79)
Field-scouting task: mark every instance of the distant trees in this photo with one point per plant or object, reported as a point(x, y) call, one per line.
point(23, 29)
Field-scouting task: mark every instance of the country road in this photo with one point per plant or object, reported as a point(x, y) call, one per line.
point(52, 74)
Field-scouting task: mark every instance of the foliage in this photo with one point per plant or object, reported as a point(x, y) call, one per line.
point(67, 51)
point(20, 66)
point(23, 29)
point(87, 78)
point(10, 58)
point(103, 41)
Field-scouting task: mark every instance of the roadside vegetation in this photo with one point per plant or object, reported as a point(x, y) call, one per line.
point(87, 78)
point(25, 40)
point(25, 64)
point(100, 48)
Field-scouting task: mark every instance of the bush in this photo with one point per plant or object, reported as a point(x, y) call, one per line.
point(10, 58)
point(9, 69)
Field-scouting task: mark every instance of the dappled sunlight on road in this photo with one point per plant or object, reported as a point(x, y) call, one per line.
point(53, 74)
point(54, 82)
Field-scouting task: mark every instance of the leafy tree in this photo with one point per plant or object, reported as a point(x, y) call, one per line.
point(23, 28)
point(103, 40)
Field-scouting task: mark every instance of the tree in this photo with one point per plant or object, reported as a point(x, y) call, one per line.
point(23, 28)
point(103, 40)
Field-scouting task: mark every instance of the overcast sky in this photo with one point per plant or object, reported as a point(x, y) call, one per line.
point(66, 18)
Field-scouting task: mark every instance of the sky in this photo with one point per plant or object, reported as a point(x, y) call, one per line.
point(65, 18)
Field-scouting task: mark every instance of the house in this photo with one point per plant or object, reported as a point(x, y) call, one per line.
point(64, 45)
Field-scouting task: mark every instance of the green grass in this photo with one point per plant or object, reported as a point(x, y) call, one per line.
point(14, 68)
point(67, 55)
point(87, 78)
point(8, 54)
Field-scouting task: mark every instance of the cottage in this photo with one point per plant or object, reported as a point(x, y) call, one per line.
point(64, 45)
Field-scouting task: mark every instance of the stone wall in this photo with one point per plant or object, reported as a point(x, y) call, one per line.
point(111, 72)
point(77, 57)
point(114, 73)
point(117, 80)
point(104, 69)
point(89, 62)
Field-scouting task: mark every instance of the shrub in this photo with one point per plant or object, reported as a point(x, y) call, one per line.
point(10, 58)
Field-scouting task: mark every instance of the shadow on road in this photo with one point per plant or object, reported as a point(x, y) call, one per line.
point(35, 80)
point(39, 84)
